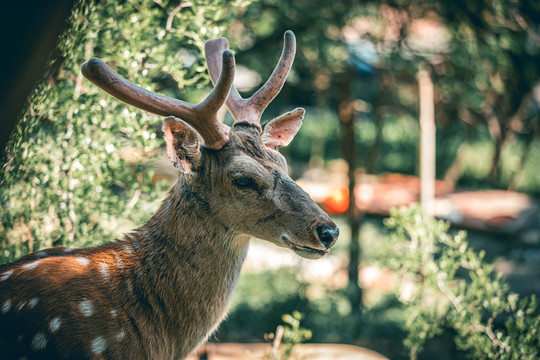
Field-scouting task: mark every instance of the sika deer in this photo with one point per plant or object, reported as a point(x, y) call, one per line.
point(163, 289)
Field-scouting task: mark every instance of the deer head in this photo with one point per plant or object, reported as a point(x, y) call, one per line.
point(238, 171)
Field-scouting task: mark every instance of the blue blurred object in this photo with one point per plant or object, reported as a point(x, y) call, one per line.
point(363, 56)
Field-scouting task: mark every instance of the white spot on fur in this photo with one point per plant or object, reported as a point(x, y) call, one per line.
point(31, 265)
point(121, 335)
point(6, 275)
point(87, 308)
point(39, 341)
point(41, 254)
point(104, 269)
point(128, 249)
point(99, 345)
point(54, 324)
point(68, 250)
point(114, 313)
point(21, 305)
point(6, 306)
point(33, 302)
point(83, 261)
point(129, 286)
point(119, 262)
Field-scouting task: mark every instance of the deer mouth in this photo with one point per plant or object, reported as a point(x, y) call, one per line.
point(304, 251)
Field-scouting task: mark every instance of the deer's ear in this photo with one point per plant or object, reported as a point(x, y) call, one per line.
point(182, 145)
point(281, 130)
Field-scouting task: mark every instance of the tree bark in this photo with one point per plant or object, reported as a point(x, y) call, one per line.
point(347, 116)
point(30, 32)
point(427, 142)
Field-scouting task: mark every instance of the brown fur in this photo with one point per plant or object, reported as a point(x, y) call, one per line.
point(164, 288)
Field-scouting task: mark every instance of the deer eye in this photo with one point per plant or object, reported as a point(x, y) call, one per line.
point(245, 182)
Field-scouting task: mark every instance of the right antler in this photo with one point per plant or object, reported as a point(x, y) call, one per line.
point(203, 116)
point(250, 110)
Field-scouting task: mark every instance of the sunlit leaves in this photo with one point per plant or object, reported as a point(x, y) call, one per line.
point(79, 166)
point(455, 289)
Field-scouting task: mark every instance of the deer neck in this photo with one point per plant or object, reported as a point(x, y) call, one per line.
point(198, 263)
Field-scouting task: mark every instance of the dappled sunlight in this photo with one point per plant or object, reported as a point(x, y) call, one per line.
point(395, 104)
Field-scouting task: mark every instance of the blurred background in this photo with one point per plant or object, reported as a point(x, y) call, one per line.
point(407, 101)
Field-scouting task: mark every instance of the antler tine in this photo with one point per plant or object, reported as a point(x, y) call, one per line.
point(275, 82)
point(214, 101)
point(203, 117)
point(250, 110)
point(212, 48)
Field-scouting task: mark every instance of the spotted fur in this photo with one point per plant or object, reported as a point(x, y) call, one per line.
point(164, 288)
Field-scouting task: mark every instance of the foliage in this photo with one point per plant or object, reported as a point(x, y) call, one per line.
point(288, 336)
point(447, 285)
point(259, 301)
point(484, 58)
point(261, 298)
point(293, 333)
point(78, 166)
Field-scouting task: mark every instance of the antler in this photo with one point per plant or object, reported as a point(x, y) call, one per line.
point(203, 116)
point(250, 110)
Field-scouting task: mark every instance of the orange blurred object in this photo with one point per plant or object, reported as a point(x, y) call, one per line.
point(337, 201)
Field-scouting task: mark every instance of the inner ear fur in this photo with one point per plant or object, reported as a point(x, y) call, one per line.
point(182, 145)
point(281, 130)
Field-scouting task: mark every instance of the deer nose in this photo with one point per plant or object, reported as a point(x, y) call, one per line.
point(327, 235)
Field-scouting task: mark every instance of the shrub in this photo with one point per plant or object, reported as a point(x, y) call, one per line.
point(446, 285)
point(78, 169)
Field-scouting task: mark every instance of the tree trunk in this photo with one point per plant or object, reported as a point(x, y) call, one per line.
point(33, 32)
point(495, 170)
point(347, 117)
point(427, 142)
point(379, 111)
point(518, 173)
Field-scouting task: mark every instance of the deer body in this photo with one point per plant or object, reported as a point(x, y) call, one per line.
point(163, 289)
point(170, 280)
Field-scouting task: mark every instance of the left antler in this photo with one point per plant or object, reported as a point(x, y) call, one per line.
point(203, 116)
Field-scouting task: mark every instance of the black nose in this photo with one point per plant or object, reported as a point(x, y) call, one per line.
point(327, 235)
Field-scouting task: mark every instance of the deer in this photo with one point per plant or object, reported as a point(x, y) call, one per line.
point(160, 291)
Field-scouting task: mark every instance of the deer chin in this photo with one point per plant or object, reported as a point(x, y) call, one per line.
point(306, 252)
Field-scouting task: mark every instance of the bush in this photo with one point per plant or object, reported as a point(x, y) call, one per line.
point(78, 171)
point(445, 285)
